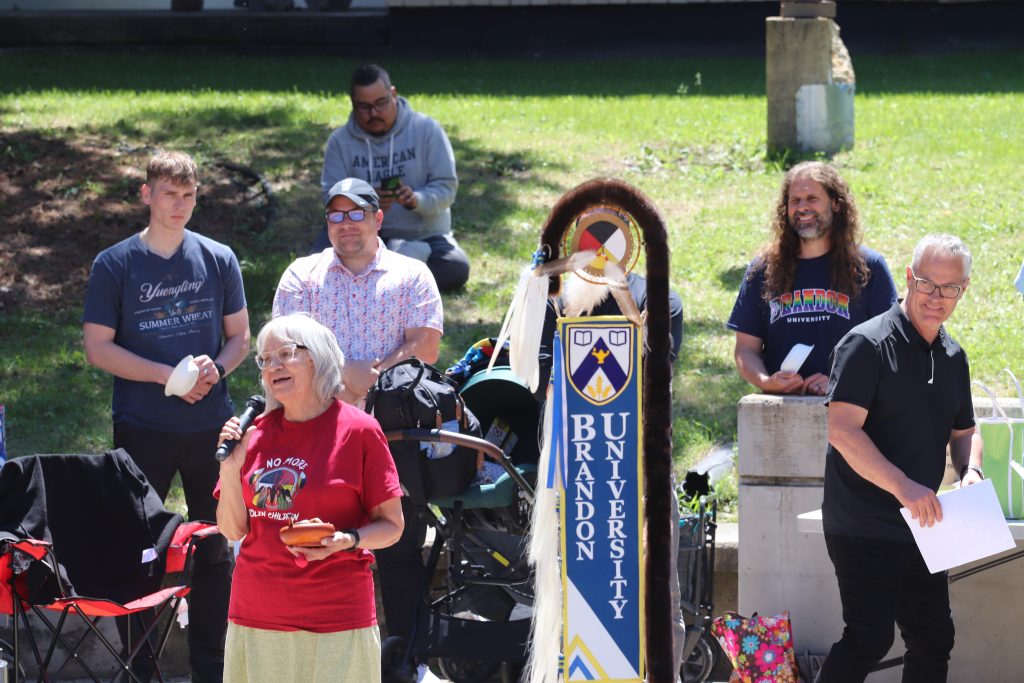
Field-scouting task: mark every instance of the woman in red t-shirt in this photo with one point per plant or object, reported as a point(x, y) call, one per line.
point(305, 613)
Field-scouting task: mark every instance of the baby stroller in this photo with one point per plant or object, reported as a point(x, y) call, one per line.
point(698, 521)
point(479, 620)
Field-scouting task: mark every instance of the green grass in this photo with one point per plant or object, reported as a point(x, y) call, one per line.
point(939, 148)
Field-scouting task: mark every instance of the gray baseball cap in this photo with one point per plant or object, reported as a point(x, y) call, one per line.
point(359, 191)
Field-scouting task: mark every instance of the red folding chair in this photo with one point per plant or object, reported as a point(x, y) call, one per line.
point(56, 557)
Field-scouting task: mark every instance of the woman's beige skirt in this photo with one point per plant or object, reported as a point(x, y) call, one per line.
point(253, 655)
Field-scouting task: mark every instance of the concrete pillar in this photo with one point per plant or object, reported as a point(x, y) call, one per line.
point(807, 62)
point(781, 465)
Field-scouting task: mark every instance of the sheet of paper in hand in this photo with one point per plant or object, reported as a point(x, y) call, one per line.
point(971, 512)
point(796, 357)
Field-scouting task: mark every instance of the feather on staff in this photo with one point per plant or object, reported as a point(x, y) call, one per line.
point(524, 321)
point(542, 553)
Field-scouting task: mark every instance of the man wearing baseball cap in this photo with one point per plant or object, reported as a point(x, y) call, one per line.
point(383, 307)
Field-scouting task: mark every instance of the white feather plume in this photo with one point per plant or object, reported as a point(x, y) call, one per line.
point(581, 296)
point(545, 641)
point(523, 326)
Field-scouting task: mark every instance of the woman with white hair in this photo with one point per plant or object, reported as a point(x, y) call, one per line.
point(297, 612)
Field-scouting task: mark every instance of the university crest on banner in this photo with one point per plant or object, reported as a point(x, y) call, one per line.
point(597, 418)
point(599, 363)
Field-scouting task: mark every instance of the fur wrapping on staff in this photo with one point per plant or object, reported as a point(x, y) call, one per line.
point(657, 397)
point(542, 553)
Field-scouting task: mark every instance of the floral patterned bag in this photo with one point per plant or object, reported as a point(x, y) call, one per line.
point(760, 648)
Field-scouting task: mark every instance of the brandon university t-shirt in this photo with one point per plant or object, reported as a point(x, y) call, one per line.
point(813, 313)
point(337, 467)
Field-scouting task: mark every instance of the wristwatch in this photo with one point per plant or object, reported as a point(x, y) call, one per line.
point(221, 372)
point(963, 471)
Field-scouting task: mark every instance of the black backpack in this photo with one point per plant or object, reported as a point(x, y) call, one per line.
point(415, 395)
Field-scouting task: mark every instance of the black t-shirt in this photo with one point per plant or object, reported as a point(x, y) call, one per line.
point(915, 394)
point(814, 313)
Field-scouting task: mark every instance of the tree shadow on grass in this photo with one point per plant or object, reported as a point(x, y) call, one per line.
point(277, 135)
point(487, 220)
point(487, 215)
point(489, 182)
point(65, 198)
point(732, 278)
point(62, 202)
point(707, 385)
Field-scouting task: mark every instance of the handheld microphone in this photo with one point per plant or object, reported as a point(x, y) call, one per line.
point(253, 407)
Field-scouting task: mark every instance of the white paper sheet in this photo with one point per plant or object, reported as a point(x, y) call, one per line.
point(972, 528)
point(796, 357)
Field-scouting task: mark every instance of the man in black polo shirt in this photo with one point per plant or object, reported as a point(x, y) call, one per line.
point(898, 394)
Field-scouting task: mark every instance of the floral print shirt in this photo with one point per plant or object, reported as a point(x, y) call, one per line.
point(368, 311)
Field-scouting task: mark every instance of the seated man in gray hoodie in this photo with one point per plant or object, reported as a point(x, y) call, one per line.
point(408, 160)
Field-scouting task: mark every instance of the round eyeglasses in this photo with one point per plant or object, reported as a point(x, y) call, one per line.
point(283, 354)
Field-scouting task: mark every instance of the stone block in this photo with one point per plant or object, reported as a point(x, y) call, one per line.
point(782, 436)
point(783, 569)
point(798, 52)
point(1010, 406)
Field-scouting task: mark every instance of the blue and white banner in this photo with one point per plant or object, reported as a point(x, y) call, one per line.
point(599, 444)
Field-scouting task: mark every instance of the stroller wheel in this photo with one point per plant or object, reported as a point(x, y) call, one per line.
point(467, 670)
point(699, 664)
point(395, 666)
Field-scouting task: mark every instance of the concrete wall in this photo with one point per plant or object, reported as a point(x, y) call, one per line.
point(35, 5)
point(122, 5)
point(136, 5)
point(781, 463)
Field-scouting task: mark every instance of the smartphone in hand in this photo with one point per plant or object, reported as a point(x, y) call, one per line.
point(391, 184)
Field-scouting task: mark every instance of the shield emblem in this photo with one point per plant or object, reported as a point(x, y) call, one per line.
point(599, 360)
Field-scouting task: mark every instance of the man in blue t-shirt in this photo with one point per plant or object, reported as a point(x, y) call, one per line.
point(152, 299)
point(809, 286)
